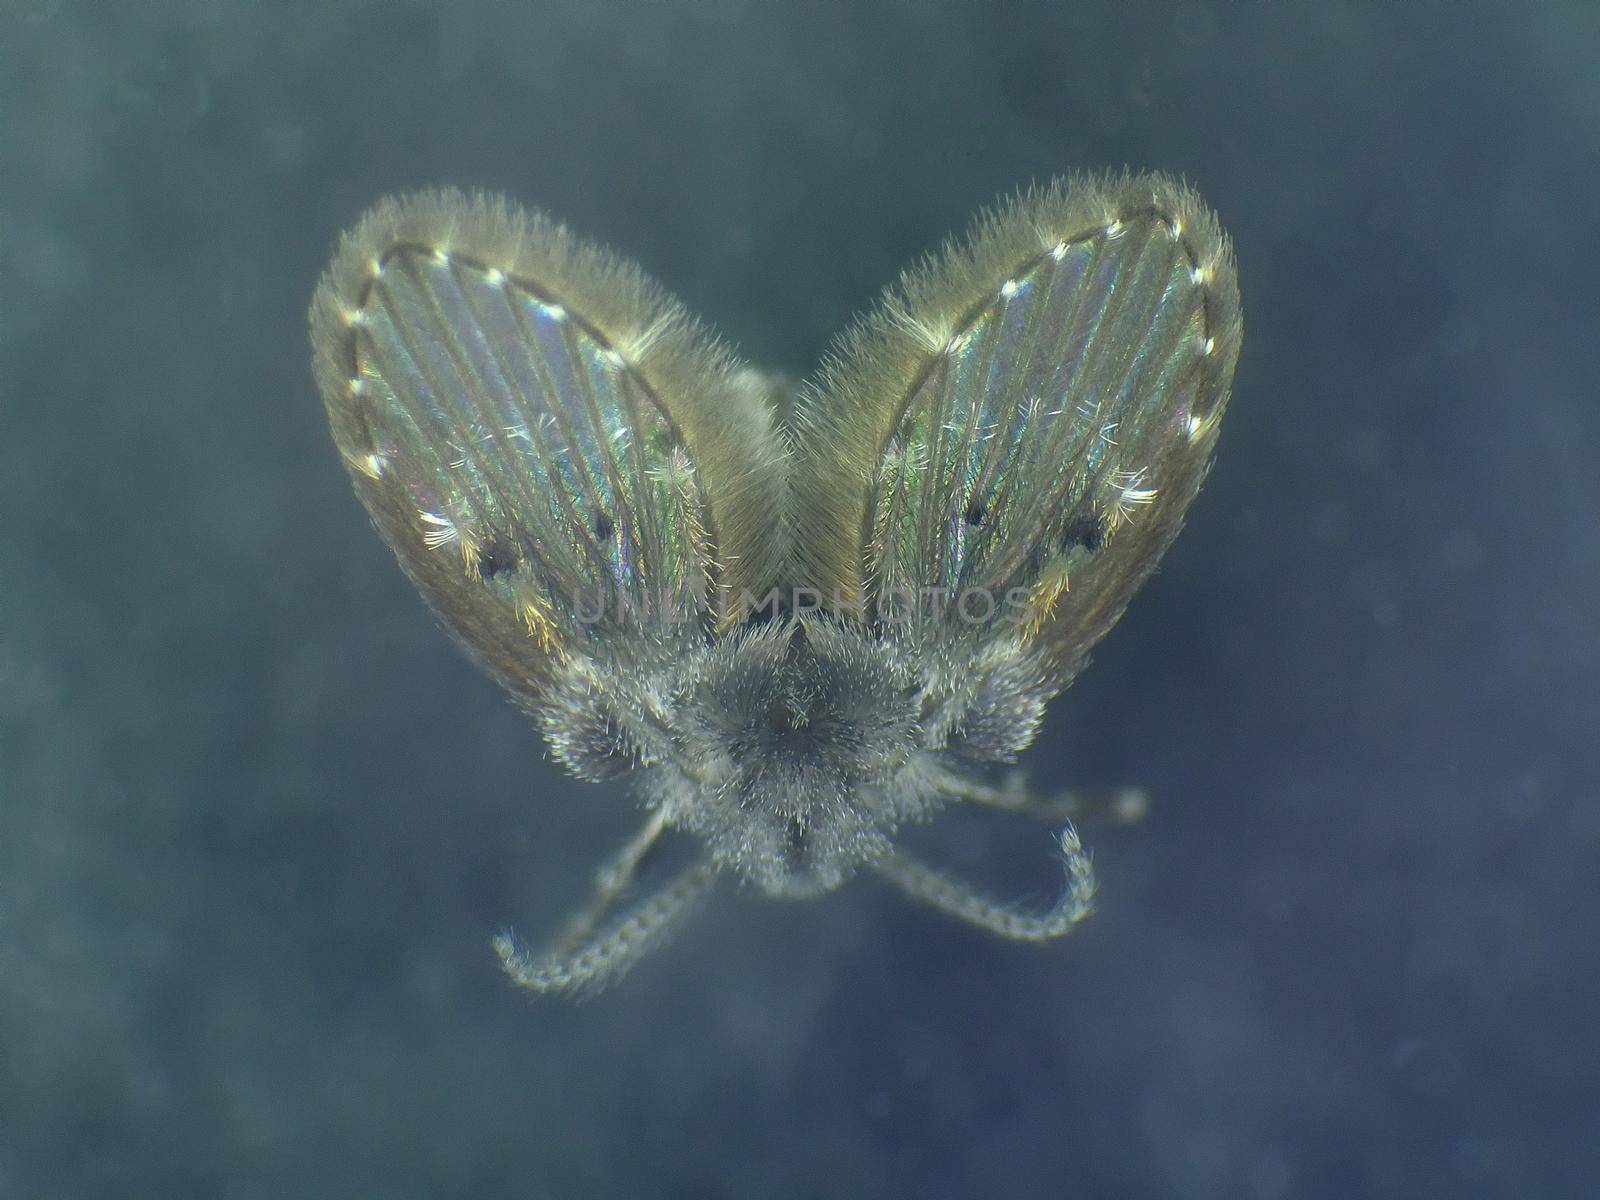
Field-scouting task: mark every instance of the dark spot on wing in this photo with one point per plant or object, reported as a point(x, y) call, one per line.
point(1084, 528)
point(495, 558)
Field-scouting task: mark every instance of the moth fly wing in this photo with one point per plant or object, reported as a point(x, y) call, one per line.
point(1023, 420)
point(560, 456)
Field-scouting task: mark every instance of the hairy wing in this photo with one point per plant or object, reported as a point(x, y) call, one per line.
point(555, 452)
point(1022, 425)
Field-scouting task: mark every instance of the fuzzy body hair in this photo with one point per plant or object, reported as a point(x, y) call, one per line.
point(618, 520)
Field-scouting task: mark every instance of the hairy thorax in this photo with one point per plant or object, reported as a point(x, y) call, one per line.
point(796, 749)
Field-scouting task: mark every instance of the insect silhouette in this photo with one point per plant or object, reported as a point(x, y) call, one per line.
point(799, 617)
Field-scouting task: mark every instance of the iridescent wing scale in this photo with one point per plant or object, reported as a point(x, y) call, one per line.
point(1016, 432)
point(555, 452)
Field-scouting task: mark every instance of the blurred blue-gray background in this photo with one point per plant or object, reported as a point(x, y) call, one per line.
point(258, 819)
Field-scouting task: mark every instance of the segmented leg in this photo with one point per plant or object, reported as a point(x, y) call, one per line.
point(958, 899)
point(607, 956)
point(1121, 806)
point(610, 882)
